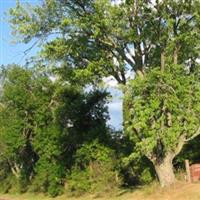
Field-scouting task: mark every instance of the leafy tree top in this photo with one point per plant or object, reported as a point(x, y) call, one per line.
point(97, 38)
point(164, 111)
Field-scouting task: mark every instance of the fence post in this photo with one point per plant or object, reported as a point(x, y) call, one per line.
point(187, 167)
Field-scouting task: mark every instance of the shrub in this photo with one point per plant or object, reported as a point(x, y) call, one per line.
point(94, 170)
point(48, 178)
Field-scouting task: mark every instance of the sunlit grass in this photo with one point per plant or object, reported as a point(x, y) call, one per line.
point(179, 191)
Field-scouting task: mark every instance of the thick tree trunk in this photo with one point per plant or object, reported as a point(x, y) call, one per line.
point(164, 171)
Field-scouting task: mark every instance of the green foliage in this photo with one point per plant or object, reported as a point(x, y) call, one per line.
point(191, 152)
point(82, 118)
point(26, 99)
point(94, 170)
point(146, 176)
point(93, 152)
point(164, 110)
point(6, 184)
point(79, 182)
point(49, 169)
point(42, 127)
point(136, 171)
point(95, 39)
point(49, 177)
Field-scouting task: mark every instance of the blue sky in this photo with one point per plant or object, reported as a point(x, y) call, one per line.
point(14, 53)
point(10, 52)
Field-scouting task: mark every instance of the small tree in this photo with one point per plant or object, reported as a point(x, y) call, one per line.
point(25, 109)
point(164, 115)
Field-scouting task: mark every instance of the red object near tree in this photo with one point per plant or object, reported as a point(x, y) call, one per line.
point(195, 172)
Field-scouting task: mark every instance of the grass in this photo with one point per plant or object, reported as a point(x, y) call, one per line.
point(180, 191)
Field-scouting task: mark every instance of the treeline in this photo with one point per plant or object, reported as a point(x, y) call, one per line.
point(54, 138)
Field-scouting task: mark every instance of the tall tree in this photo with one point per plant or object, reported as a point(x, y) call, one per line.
point(25, 109)
point(164, 115)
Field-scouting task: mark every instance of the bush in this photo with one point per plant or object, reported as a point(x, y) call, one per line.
point(49, 169)
point(48, 178)
point(79, 181)
point(6, 184)
point(136, 170)
point(94, 170)
point(11, 183)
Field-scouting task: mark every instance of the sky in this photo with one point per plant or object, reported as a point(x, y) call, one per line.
point(14, 53)
point(10, 52)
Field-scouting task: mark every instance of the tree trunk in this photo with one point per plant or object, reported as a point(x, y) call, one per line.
point(164, 171)
point(176, 55)
point(162, 58)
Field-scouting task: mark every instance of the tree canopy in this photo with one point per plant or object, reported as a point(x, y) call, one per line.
point(93, 39)
point(164, 109)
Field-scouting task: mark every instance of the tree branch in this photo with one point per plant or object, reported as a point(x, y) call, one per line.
point(180, 144)
point(195, 135)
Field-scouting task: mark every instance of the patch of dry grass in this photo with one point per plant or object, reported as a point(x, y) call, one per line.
point(179, 191)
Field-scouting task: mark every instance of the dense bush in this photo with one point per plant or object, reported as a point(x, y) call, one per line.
point(49, 169)
point(137, 172)
point(94, 170)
